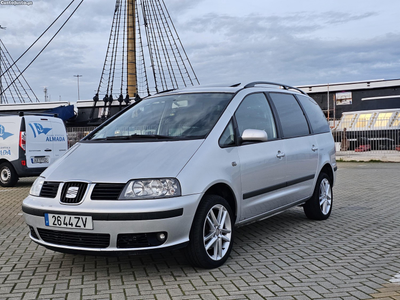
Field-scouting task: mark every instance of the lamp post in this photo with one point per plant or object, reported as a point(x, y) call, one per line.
point(77, 77)
point(1, 71)
point(1, 81)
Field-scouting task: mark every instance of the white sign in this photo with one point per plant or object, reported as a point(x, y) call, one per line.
point(344, 98)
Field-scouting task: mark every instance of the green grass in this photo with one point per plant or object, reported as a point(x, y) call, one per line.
point(363, 161)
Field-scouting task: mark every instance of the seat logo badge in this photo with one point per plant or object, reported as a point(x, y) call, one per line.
point(72, 192)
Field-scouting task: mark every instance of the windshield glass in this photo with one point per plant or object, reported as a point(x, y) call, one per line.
point(181, 116)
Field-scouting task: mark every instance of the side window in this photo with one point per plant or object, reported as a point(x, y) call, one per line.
point(228, 136)
point(290, 114)
point(255, 113)
point(318, 122)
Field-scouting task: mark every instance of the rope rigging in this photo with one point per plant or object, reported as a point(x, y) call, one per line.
point(17, 91)
point(144, 56)
point(157, 45)
point(12, 82)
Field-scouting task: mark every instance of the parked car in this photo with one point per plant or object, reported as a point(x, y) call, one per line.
point(28, 145)
point(182, 169)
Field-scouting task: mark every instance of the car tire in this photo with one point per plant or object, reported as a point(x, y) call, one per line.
point(8, 176)
point(319, 206)
point(211, 236)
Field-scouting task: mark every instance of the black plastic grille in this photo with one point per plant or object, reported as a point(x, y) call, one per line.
point(33, 233)
point(75, 239)
point(107, 191)
point(79, 187)
point(49, 189)
point(138, 240)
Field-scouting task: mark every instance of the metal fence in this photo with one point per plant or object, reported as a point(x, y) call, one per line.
point(367, 132)
point(75, 134)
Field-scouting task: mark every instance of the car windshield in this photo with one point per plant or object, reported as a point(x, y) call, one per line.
point(180, 116)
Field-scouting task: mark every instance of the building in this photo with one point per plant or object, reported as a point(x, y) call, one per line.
point(355, 96)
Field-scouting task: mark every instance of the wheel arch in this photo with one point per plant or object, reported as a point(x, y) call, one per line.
point(218, 193)
point(225, 191)
point(3, 160)
point(327, 169)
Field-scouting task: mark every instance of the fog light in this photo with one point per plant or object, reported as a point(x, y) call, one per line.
point(161, 237)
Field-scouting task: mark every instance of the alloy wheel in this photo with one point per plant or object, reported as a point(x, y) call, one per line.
point(325, 196)
point(217, 232)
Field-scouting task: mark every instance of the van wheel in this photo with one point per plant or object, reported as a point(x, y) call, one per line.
point(319, 206)
point(211, 236)
point(8, 176)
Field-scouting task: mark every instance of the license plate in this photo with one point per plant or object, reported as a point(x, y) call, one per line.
point(40, 160)
point(67, 221)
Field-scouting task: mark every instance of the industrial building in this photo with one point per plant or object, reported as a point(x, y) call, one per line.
point(355, 96)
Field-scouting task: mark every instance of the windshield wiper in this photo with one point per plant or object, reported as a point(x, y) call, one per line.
point(136, 136)
point(118, 137)
point(152, 136)
point(147, 136)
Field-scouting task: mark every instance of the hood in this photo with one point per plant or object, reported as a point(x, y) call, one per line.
point(121, 162)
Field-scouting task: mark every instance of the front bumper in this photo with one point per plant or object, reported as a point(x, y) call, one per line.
point(118, 226)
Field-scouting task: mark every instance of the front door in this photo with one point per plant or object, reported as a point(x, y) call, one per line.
point(261, 164)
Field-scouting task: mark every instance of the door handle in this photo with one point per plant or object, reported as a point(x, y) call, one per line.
point(48, 150)
point(314, 148)
point(280, 154)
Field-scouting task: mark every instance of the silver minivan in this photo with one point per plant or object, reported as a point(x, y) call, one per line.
point(182, 169)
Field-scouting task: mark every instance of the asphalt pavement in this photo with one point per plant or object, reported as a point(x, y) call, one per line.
point(355, 254)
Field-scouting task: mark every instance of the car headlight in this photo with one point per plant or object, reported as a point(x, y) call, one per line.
point(36, 187)
point(151, 189)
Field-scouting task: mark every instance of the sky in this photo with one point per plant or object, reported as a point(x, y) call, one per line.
point(227, 41)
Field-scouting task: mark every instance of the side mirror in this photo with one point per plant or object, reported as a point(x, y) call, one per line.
point(254, 135)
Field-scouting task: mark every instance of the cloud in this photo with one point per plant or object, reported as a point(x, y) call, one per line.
point(340, 17)
point(177, 7)
point(275, 48)
point(225, 41)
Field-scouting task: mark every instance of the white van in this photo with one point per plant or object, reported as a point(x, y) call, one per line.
point(28, 145)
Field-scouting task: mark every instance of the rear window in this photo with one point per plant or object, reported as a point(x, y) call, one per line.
point(291, 115)
point(317, 119)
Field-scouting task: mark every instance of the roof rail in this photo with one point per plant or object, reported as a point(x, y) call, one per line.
point(284, 86)
point(44, 114)
point(24, 113)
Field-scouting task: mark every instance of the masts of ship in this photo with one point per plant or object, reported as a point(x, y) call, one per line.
point(142, 34)
point(132, 88)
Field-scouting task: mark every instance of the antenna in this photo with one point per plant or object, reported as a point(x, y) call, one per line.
point(45, 94)
point(77, 77)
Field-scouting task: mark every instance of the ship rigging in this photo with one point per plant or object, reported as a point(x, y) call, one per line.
point(19, 90)
point(144, 56)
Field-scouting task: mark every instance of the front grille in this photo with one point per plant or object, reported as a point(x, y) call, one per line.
point(49, 189)
point(75, 239)
point(107, 191)
point(73, 192)
point(138, 240)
